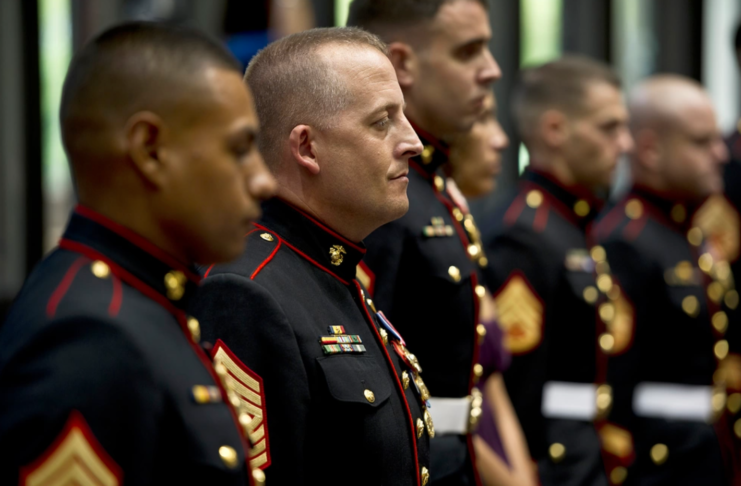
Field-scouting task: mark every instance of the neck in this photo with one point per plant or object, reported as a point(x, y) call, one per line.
point(553, 165)
point(136, 217)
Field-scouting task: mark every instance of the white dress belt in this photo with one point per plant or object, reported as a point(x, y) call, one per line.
point(673, 401)
point(567, 400)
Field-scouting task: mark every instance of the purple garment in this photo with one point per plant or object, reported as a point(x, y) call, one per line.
point(494, 358)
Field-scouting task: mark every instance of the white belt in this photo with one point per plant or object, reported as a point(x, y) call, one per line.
point(673, 401)
point(456, 415)
point(565, 400)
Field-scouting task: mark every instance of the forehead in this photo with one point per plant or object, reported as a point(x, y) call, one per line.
point(696, 118)
point(367, 73)
point(604, 99)
point(459, 21)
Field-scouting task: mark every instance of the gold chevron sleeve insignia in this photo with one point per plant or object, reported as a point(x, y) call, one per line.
point(250, 391)
point(719, 221)
point(520, 312)
point(75, 458)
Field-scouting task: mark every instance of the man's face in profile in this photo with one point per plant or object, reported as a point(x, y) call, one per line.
point(219, 177)
point(456, 68)
point(364, 156)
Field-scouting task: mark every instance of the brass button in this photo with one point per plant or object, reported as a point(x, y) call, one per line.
point(480, 291)
point(557, 451)
point(604, 283)
point(458, 214)
point(737, 428)
point(201, 394)
point(602, 267)
point(606, 342)
point(229, 456)
point(694, 236)
point(175, 284)
point(721, 349)
point(481, 331)
point(370, 396)
point(425, 476)
point(420, 428)
point(371, 304)
point(478, 370)
point(618, 475)
point(598, 254)
point(604, 398)
point(614, 292)
point(731, 299)
point(607, 311)
point(691, 305)
point(590, 294)
point(100, 269)
point(684, 270)
point(427, 154)
point(473, 251)
point(428, 423)
point(659, 454)
point(715, 292)
point(439, 183)
point(734, 403)
point(534, 198)
point(679, 213)
point(634, 209)
point(195, 329)
point(720, 321)
point(718, 401)
point(405, 379)
point(581, 208)
point(221, 370)
point(259, 476)
point(454, 273)
point(267, 237)
point(705, 262)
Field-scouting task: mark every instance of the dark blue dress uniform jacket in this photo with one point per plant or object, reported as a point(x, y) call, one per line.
point(423, 276)
point(680, 330)
point(94, 347)
point(543, 278)
point(332, 419)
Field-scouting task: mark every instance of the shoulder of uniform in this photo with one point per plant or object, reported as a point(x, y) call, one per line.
point(626, 220)
point(261, 247)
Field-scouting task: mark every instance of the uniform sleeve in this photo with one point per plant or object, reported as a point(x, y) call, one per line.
point(252, 325)
point(384, 258)
point(78, 395)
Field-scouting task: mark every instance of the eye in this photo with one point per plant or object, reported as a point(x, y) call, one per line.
point(383, 123)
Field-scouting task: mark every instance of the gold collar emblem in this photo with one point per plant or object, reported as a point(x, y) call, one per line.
point(336, 255)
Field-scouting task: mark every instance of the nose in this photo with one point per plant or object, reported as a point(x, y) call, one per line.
point(261, 184)
point(410, 145)
point(500, 140)
point(626, 141)
point(721, 152)
point(491, 71)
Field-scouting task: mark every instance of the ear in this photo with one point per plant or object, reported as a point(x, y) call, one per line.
point(553, 128)
point(404, 60)
point(301, 143)
point(144, 135)
point(648, 149)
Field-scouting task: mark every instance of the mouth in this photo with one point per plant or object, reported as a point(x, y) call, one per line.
point(400, 176)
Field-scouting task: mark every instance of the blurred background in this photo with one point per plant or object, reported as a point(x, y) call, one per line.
point(38, 38)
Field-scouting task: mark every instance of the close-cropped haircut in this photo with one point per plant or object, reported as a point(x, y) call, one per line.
point(389, 19)
point(558, 85)
point(132, 67)
point(293, 84)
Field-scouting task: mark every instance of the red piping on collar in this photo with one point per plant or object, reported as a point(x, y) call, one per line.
point(327, 229)
point(267, 260)
point(179, 315)
point(307, 257)
point(396, 378)
point(63, 287)
point(115, 306)
point(138, 240)
point(433, 140)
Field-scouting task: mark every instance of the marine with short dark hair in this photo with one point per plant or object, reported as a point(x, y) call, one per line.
point(552, 287)
point(423, 268)
point(102, 376)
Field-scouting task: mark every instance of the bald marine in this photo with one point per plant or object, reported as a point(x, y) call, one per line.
point(678, 145)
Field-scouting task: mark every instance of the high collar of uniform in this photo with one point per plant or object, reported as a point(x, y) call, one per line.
point(98, 237)
point(313, 239)
point(434, 154)
point(676, 210)
point(576, 202)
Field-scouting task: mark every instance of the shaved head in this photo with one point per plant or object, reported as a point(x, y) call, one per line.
point(679, 146)
point(129, 68)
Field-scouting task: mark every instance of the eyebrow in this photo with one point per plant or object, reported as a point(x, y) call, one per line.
point(388, 107)
point(245, 133)
point(478, 40)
